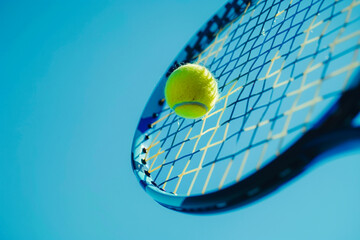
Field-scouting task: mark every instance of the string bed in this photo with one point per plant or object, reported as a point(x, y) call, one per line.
point(280, 66)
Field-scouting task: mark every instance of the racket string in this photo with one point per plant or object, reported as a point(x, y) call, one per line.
point(272, 64)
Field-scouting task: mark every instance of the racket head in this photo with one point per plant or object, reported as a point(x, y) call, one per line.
point(288, 75)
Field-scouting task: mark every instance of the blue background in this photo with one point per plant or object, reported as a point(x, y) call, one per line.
point(75, 76)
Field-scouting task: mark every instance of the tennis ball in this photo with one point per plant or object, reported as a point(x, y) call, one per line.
point(191, 91)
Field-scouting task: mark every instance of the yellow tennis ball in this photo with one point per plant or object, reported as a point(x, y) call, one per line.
point(191, 91)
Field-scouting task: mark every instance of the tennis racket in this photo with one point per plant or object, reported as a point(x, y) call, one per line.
point(289, 84)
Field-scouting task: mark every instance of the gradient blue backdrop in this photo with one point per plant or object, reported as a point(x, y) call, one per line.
point(75, 76)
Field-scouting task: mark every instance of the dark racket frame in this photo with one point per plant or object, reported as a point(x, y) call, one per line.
point(332, 130)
